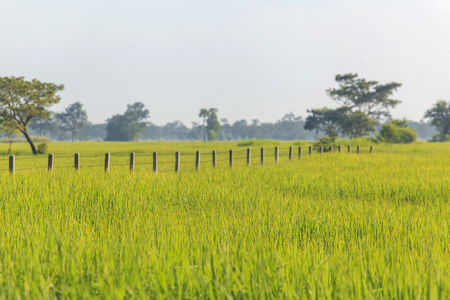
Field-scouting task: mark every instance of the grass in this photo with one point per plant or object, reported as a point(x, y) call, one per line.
point(323, 226)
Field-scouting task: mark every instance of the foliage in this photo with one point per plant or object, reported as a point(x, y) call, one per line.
point(398, 132)
point(42, 148)
point(325, 143)
point(23, 101)
point(129, 126)
point(369, 97)
point(213, 125)
point(439, 115)
point(73, 119)
point(363, 102)
point(321, 227)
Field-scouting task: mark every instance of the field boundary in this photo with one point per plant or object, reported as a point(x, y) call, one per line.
point(231, 158)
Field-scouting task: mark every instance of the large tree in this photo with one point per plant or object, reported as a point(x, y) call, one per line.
point(73, 118)
point(23, 101)
point(439, 115)
point(129, 126)
point(369, 97)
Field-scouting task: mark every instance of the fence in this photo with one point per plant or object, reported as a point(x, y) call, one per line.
point(177, 161)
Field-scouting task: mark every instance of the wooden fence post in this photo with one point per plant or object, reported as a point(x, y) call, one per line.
point(177, 161)
point(231, 158)
point(310, 150)
point(249, 156)
point(155, 162)
point(331, 149)
point(262, 156)
point(277, 155)
point(290, 153)
point(197, 160)
point(12, 164)
point(371, 149)
point(357, 149)
point(77, 161)
point(107, 161)
point(132, 161)
point(50, 161)
point(214, 158)
point(349, 149)
point(300, 152)
point(339, 148)
point(321, 149)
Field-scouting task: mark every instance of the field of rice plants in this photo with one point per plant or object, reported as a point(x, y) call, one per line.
point(335, 225)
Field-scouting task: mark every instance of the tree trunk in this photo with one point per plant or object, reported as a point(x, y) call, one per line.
point(33, 148)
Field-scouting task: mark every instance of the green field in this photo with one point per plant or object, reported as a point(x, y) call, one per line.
point(322, 226)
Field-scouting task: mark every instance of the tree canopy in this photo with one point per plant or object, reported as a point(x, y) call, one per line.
point(129, 126)
point(22, 101)
point(439, 115)
point(359, 94)
point(73, 118)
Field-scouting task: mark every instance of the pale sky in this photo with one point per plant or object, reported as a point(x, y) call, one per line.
point(250, 59)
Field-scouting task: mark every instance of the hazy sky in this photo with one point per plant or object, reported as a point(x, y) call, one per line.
point(250, 59)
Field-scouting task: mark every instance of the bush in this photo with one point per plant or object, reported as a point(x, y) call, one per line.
point(397, 132)
point(325, 142)
point(42, 148)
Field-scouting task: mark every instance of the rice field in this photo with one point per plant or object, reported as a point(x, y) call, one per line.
point(331, 226)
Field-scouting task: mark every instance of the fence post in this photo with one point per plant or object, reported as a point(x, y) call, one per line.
point(12, 164)
point(349, 149)
point(231, 158)
point(107, 161)
point(357, 149)
point(310, 150)
point(77, 161)
point(339, 148)
point(132, 161)
point(371, 149)
point(262, 156)
point(290, 153)
point(331, 149)
point(321, 149)
point(50, 162)
point(155, 162)
point(197, 160)
point(177, 161)
point(276, 155)
point(300, 152)
point(214, 158)
point(249, 156)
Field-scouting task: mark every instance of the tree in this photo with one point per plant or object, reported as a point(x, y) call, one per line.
point(356, 124)
point(398, 132)
point(213, 125)
point(370, 97)
point(325, 119)
point(204, 113)
point(129, 126)
point(74, 118)
point(10, 131)
point(23, 101)
point(439, 115)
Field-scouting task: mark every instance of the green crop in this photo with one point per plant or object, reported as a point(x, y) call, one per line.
point(322, 226)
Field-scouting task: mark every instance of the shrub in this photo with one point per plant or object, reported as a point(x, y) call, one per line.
point(397, 132)
point(325, 142)
point(42, 148)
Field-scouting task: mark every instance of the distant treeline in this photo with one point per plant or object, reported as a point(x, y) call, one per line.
point(289, 127)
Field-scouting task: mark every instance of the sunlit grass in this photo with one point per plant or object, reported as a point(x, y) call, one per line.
point(323, 226)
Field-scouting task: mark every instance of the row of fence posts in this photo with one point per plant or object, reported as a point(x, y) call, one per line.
point(51, 158)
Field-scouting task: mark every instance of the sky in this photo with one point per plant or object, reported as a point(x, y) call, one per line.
point(249, 59)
